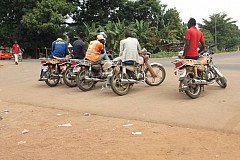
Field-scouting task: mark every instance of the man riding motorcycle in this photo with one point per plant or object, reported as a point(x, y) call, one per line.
point(59, 50)
point(95, 51)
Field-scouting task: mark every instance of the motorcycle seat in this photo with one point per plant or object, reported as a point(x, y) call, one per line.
point(202, 61)
point(129, 62)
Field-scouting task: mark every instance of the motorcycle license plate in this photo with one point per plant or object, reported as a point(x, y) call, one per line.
point(44, 68)
point(182, 72)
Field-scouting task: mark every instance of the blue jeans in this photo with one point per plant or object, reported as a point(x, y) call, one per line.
point(103, 57)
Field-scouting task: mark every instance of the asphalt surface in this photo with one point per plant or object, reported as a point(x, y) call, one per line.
point(215, 109)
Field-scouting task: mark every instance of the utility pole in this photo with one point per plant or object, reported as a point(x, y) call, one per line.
point(215, 30)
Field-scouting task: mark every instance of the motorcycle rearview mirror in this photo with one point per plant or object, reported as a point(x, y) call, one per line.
point(180, 53)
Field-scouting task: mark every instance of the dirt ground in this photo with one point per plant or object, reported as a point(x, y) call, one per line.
point(35, 133)
point(31, 132)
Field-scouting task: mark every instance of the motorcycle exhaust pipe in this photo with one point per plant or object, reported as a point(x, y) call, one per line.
point(56, 76)
point(128, 81)
point(92, 79)
point(199, 81)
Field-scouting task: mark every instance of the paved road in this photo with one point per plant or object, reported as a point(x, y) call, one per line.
point(216, 109)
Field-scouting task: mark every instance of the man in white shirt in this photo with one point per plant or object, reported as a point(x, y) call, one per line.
point(129, 48)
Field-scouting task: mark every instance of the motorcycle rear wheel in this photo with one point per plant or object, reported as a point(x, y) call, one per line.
point(82, 83)
point(193, 90)
point(68, 79)
point(161, 75)
point(52, 80)
point(117, 86)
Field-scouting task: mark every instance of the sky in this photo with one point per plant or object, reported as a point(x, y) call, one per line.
point(204, 8)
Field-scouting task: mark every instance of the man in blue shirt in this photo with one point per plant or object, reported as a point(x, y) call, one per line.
point(59, 48)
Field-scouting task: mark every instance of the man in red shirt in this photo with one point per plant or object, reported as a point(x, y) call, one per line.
point(16, 50)
point(193, 37)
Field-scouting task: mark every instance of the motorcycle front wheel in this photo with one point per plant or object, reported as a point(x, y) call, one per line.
point(118, 86)
point(69, 78)
point(52, 79)
point(82, 83)
point(219, 78)
point(161, 75)
point(222, 82)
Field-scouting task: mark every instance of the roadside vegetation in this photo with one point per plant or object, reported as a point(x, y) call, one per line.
point(35, 24)
point(164, 54)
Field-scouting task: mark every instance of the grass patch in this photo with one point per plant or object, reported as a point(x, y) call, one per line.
point(164, 55)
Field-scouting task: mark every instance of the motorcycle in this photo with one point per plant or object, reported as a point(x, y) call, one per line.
point(93, 72)
point(53, 70)
point(126, 75)
point(69, 76)
point(195, 74)
point(20, 55)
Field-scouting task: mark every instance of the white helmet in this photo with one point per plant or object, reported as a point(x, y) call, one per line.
point(69, 45)
point(100, 37)
point(103, 34)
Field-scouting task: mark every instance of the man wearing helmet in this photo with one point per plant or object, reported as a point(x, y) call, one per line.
point(95, 51)
point(105, 41)
point(111, 54)
point(103, 34)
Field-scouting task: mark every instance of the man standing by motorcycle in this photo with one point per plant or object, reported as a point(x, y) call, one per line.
point(95, 51)
point(192, 38)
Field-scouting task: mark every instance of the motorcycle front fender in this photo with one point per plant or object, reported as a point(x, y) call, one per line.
point(149, 66)
point(156, 63)
point(216, 70)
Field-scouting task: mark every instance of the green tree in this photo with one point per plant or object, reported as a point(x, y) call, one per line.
point(114, 31)
point(99, 12)
point(173, 24)
point(46, 20)
point(11, 13)
point(208, 37)
point(223, 29)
